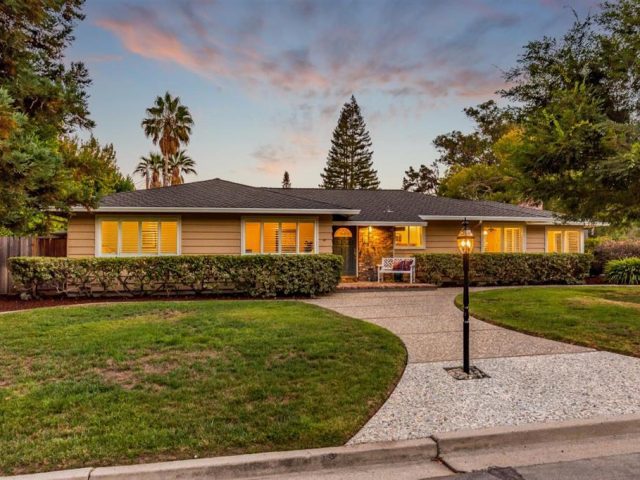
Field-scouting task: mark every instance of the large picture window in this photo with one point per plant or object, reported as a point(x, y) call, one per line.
point(279, 236)
point(137, 237)
point(564, 241)
point(409, 236)
point(502, 239)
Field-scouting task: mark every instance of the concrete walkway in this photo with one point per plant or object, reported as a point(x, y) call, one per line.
point(531, 379)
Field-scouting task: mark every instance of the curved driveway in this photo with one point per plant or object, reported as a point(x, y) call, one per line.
point(531, 379)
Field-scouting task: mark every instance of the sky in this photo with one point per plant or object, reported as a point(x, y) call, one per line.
point(265, 80)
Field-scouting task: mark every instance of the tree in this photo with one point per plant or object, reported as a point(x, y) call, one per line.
point(150, 168)
point(478, 163)
point(181, 164)
point(286, 181)
point(424, 180)
point(574, 157)
point(49, 91)
point(168, 123)
point(349, 163)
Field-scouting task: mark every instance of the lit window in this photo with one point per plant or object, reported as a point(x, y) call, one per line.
point(563, 241)
point(502, 240)
point(410, 236)
point(109, 245)
point(138, 237)
point(252, 237)
point(168, 238)
point(287, 237)
point(129, 237)
point(306, 237)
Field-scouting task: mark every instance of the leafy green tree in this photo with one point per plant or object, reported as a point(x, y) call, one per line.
point(286, 181)
point(423, 180)
point(349, 163)
point(169, 124)
point(150, 168)
point(574, 157)
point(181, 164)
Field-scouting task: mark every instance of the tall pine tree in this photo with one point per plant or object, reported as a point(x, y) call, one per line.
point(349, 163)
point(286, 181)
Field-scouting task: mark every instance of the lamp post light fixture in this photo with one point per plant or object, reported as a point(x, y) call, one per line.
point(465, 245)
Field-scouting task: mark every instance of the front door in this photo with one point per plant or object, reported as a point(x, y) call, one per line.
point(344, 244)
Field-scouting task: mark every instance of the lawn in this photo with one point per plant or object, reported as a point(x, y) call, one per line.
point(606, 318)
point(149, 381)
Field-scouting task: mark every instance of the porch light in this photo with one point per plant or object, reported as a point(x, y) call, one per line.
point(465, 245)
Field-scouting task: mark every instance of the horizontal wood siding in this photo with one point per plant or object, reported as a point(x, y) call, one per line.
point(325, 234)
point(535, 238)
point(211, 235)
point(441, 237)
point(81, 236)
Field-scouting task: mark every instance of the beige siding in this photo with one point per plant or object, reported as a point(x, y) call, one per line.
point(210, 235)
point(325, 234)
point(81, 236)
point(535, 238)
point(441, 237)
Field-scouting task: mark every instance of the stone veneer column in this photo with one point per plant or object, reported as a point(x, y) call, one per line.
point(374, 243)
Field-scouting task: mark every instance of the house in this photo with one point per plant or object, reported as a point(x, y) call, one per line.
point(221, 217)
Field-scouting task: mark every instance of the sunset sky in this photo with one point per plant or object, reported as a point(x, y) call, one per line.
point(265, 80)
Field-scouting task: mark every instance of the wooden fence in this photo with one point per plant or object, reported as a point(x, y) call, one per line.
point(27, 247)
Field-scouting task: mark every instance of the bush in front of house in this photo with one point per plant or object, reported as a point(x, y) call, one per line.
point(252, 275)
point(625, 271)
point(613, 250)
point(504, 268)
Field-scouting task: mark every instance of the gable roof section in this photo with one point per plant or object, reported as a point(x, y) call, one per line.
point(410, 207)
point(215, 196)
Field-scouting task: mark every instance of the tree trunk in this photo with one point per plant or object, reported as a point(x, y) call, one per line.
point(166, 181)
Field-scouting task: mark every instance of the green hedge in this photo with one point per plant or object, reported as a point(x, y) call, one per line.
point(253, 275)
point(504, 268)
point(624, 272)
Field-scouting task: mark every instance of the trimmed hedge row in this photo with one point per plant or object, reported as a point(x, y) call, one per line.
point(504, 268)
point(625, 271)
point(253, 275)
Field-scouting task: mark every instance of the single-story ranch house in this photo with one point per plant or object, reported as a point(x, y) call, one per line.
point(363, 226)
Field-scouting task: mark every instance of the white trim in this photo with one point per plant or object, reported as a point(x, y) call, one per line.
point(363, 223)
point(280, 220)
point(532, 220)
point(249, 211)
point(129, 218)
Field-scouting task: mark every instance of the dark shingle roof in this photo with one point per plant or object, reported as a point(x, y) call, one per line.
point(212, 194)
point(403, 206)
point(374, 205)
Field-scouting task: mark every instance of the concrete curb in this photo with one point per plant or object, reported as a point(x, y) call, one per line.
point(252, 465)
point(470, 450)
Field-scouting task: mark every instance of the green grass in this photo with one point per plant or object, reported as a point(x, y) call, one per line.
point(126, 383)
point(606, 318)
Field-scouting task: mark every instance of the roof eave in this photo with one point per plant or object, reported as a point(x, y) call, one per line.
point(249, 211)
point(494, 218)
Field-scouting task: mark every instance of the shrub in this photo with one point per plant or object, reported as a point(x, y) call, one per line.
point(625, 271)
point(253, 275)
point(613, 250)
point(504, 268)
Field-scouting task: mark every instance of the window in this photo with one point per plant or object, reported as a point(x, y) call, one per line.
point(279, 237)
point(563, 241)
point(137, 237)
point(409, 236)
point(502, 239)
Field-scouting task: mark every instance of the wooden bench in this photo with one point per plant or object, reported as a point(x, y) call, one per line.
point(397, 265)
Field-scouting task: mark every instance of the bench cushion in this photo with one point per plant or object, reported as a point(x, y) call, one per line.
point(402, 265)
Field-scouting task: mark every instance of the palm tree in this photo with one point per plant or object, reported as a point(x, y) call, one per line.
point(168, 123)
point(149, 168)
point(181, 164)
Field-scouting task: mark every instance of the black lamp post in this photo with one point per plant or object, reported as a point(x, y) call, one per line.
point(465, 245)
